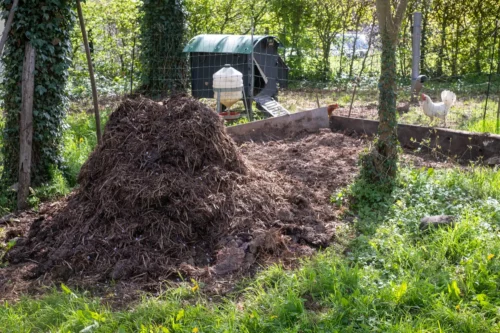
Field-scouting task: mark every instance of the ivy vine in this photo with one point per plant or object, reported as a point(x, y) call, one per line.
point(47, 25)
point(380, 164)
point(163, 36)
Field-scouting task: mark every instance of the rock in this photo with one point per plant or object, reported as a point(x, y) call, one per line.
point(14, 187)
point(229, 259)
point(492, 161)
point(437, 220)
point(193, 271)
point(8, 218)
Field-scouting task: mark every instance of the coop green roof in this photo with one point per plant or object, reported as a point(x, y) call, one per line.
point(224, 43)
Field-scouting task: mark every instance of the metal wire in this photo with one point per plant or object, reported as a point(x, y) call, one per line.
point(300, 76)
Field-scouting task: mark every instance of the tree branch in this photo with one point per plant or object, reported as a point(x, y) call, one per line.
point(8, 25)
point(400, 11)
point(384, 15)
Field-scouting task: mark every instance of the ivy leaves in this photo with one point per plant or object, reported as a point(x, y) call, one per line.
point(47, 27)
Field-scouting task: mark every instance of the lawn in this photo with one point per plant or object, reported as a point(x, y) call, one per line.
point(391, 276)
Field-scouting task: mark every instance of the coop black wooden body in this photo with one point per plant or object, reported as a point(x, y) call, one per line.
point(209, 53)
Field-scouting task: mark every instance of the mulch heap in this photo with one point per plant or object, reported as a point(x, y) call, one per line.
point(168, 191)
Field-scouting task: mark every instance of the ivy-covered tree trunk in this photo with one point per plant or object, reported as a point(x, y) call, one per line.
point(380, 165)
point(47, 26)
point(163, 36)
point(387, 144)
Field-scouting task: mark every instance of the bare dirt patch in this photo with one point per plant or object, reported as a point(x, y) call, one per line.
point(170, 193)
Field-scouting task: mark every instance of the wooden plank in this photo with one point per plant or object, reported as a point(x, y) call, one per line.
point(91, 72)
point(26, 127)
point(271, 106)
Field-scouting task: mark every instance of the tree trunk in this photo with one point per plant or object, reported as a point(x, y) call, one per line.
point(362, 67)
point(454, 62)
point(439, 70)
point(26, 127)
point(326, 60)
point(403, 47)
point(353, 57)
point(387, 145)
point(339, 74)
point(380, 165)
point(498, 61)
point(479, 39)
point(423, 46)
point(358, 20)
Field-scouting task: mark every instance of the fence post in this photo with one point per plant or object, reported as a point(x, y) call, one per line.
point(415, 48)
point(91, 72)
point(492, 55)
point(132, 69)
point(250, 100)
point(26, 127)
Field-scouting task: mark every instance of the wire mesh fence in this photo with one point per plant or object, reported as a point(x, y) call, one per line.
point(280, 69)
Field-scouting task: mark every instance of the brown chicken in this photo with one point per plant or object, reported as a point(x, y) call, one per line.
point(331, 108)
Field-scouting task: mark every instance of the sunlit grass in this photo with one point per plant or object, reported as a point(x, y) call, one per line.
point(79, 140)
point(394, 278)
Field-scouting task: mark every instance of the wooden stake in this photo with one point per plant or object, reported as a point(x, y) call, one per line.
point(352, 98)
point(132, 70)
point(8, 25)
point(26, 127)
point(91, 72)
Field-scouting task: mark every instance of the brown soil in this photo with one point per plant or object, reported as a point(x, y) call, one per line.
point(168, 193)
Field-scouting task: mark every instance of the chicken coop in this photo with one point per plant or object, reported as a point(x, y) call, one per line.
point(209, 53)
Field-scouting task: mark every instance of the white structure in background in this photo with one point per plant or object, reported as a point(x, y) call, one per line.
point(349, 38)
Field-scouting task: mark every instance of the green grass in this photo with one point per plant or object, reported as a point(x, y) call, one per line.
point(79, 141)
point(394, 278)
point(489, 125)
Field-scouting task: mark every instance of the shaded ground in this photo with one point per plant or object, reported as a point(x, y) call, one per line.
point(302, 171)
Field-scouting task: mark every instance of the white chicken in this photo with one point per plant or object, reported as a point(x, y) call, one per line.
point(438, 110)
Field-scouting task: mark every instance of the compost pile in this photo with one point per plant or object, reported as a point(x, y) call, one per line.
point(168, 190)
